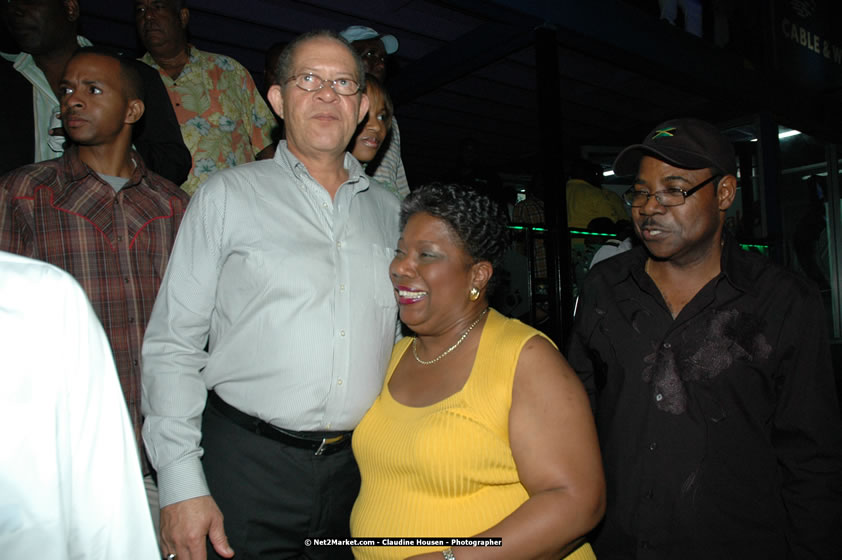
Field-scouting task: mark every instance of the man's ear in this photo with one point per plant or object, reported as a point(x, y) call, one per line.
point(134, 111)
point(364, 103)
point(481, 273)
point(71, 8)
point(184, 17)
point(276, 99)
point(726, 191)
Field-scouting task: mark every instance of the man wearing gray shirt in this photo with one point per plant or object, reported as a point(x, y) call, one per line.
point(281, 268)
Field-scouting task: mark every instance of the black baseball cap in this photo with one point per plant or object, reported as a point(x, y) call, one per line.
point(685, 143)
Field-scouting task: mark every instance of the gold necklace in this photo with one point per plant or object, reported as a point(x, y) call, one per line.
point(449, 350)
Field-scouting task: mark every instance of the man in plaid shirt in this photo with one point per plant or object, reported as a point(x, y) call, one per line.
point(97, 211)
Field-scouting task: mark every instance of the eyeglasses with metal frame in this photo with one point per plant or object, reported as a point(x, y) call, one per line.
point(674, 196)
point(312, 82)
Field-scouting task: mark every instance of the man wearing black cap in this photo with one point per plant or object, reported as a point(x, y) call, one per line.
point(710, 374)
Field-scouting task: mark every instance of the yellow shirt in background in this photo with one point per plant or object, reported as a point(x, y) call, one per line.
point(586, 202)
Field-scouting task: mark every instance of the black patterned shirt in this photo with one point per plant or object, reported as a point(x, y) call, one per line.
point(720, 429)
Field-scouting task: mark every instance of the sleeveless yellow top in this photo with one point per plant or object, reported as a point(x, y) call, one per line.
point(444, 470)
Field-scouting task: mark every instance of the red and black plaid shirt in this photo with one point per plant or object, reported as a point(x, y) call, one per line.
point(116, 244)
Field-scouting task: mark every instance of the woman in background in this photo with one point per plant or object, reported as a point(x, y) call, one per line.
point(372, 133)
point(482, 428)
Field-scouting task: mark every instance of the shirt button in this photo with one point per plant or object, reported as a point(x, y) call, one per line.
point(119, 238)
point(653, 446)
point(126, 279)
point(341, 287)
point(338, 244)
point(134, 363)
point(667, 345)
point(650, 494)
point(659, 397)
point(339, 382)
point(131, 320)
point(645, 545)
point(342, 333)
point(324, 204)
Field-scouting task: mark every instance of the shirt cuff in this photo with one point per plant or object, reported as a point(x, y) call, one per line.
point(182, 481)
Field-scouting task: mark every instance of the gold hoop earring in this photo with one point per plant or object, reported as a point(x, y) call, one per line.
point(473, 295)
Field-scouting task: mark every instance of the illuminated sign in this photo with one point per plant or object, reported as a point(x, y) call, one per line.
point(810, 40)
point(808, 44)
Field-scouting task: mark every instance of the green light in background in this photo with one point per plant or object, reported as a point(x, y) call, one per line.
point(593, 233)
point(762, 249)
point(573, 231)
point(533, 228)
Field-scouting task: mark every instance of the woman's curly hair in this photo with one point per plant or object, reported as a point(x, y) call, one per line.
point(477, 220)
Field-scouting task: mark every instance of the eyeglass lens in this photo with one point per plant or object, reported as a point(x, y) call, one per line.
point(668, 197)
point(312, 82)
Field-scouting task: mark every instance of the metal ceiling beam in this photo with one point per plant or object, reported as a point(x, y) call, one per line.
point(484, 45)
point(614, 30)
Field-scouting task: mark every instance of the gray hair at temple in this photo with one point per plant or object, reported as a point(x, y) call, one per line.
point(284, 68)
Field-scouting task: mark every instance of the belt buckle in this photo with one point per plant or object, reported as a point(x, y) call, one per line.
point(326, 442)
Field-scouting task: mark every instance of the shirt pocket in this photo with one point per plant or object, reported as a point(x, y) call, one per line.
point(384, 294)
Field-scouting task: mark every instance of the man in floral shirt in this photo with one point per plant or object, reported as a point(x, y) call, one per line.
point(223, 118)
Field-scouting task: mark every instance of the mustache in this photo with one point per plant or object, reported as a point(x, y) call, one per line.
point(650, 223)
point(71, 114)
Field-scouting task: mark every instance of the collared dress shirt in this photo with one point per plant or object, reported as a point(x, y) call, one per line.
point(223, 118)
point(31, 112)
point(70, 486)
point(719, 429)
point(45, 104)
point(289, 289)
point(390, 171)
point(116, 244)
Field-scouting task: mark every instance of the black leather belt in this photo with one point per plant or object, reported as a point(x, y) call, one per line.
point(321, 443)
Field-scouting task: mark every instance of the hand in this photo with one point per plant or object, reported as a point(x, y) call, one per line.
point(184, 526)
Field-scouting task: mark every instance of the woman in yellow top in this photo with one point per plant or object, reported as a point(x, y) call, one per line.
point(481, 429)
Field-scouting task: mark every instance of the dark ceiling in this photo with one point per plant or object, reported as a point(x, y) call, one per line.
point(467, 69)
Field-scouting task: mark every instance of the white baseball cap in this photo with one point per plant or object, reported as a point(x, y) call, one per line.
point(361, 33)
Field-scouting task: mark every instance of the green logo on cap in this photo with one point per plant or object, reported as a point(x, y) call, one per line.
point(664, 132)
